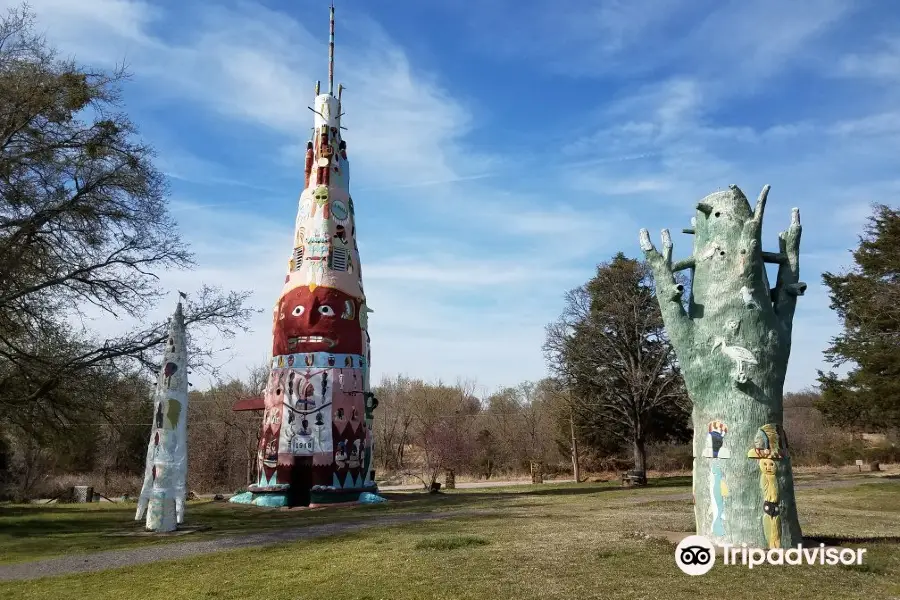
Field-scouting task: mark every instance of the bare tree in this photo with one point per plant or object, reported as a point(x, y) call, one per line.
point(392, 426)
point(442, 428)
point(502, 419)
point(222, 443)
point(83, 223)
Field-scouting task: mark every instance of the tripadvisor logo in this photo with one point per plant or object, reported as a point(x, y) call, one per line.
point(696, 555)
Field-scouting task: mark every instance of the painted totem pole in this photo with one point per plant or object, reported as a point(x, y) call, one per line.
point(733, 342)
point(163, 493)
point(316, 441)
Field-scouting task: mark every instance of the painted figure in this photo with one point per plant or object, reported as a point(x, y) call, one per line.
point(768, 469)
point(769, 442)
point(715, 442)
point(718, 491)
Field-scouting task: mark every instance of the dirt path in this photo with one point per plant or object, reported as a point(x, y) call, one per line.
point(112, 559)
point(467, 485)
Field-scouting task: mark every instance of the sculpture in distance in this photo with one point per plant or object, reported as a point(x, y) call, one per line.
point(733, 339)
point(163, 493)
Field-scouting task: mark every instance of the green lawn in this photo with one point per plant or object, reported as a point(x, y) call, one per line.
point(30, 532)
point(555, 541)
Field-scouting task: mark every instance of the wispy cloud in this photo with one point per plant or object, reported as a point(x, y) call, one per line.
point(468, 243)
point(882, 63)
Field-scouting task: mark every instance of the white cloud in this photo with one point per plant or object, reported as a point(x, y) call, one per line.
point(443, 315)
point(503, 236)
point(883, 64)
point(732, 41)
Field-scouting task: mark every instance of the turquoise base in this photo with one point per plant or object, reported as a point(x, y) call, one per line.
point(319, 496)
point(270, 500)
point(329, 495)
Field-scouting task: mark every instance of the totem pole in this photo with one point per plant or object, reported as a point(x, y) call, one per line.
point(316, 441)
point(733, 341)
point(163, 493)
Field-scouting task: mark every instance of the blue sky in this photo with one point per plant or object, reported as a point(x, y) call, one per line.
point(499, 153)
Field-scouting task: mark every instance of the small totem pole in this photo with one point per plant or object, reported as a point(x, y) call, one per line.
point(163, 493)
point(733, 342)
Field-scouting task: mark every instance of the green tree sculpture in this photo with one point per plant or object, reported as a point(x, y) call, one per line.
point(733, 340)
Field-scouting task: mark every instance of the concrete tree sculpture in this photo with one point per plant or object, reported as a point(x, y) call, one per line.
point(165, 476)
point(733, 339)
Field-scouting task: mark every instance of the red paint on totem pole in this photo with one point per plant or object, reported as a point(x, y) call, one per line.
point(347, 409)
point(268, 452)
point(309, 163)
point(317, 321)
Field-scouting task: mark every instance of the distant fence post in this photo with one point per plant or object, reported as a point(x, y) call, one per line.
point(537, 472)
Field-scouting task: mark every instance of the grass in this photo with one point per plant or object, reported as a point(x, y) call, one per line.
point(556, 541)
point(30, 532)
point(450, 542)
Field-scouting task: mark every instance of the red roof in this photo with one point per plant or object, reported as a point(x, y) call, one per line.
point(249, 404)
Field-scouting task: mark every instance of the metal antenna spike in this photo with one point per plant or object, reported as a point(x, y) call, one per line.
point(331, 53)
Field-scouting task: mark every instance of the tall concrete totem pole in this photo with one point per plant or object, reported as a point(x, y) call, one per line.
point(316, 441)
point(733, 342)
point(163, 493)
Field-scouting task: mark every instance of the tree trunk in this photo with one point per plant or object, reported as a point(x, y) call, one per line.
point(450, 479)
point(576, 464)
point(640, 455)
point(537, 472)
point(733, 344)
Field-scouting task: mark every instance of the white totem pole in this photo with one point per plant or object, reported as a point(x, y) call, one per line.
point(162, 496)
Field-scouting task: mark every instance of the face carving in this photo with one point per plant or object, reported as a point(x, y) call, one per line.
point(322, 320)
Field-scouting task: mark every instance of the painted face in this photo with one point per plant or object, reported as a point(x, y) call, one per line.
point(320, 195)
point(317, 321)
point(268, 455)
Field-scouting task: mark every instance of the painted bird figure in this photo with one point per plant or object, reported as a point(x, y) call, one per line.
point(740, 355)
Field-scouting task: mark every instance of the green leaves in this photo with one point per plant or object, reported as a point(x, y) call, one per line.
point(867, 300)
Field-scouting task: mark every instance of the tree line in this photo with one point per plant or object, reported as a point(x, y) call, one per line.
point(85, 230)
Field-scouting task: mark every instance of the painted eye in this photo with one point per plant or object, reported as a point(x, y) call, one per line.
point(349, 310)
point(298, 310)
point(326, 310)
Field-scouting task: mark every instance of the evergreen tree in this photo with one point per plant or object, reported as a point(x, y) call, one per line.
point(611, 348)
point(867, 300)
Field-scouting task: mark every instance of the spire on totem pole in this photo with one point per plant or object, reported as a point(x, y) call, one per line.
point(331, 52)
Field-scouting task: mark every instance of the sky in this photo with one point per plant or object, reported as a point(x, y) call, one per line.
point(499, 153)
